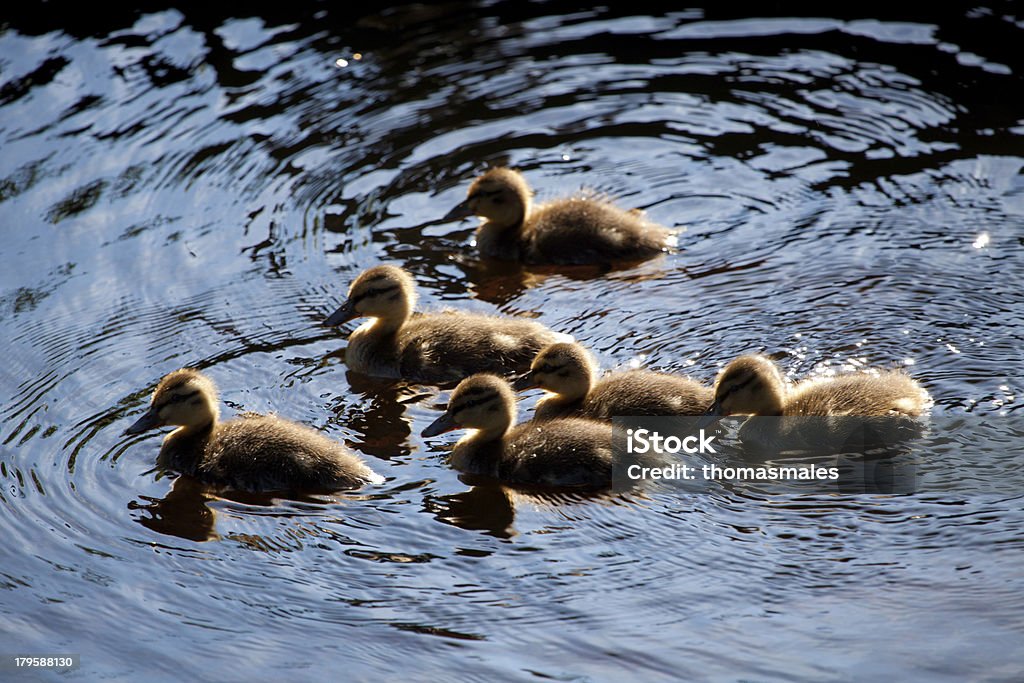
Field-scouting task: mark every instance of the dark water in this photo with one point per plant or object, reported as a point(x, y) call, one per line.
point(195, 189)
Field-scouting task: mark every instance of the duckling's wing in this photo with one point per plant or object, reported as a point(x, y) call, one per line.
point(862, 394)
point(553, 407)
point(583, 230)
point(642, 392)
point(266, 453)
point(449, 346)
point(567, 452)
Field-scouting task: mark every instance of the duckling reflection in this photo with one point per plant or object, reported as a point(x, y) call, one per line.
point(183, 512)
point(251, 453)
point(486, 507)
point(861, 407)
point(190, 510)
point(491, 507)
point(569, 373)
point(373, 409)
point(500, 282)
point(434, 348)
point(575, 230)
point(560, 452)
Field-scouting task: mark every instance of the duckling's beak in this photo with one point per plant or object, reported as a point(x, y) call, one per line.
point(525, 381)
point(149, 420)
point(463, 210)
point(342, 315)
point(711, 416)
point(441, 425)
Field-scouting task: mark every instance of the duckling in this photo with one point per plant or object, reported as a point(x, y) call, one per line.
point(435, 348)
point(575, 230)
point(569, 372)
point(252, 453)
point(560, 452)
point(753, 385)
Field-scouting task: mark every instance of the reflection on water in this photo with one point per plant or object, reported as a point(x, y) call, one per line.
point(183, 512)
point(486, 507)
point(194, 187)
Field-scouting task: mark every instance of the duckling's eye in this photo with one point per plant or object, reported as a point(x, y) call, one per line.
point(176, 398)
point(472, 403)
point(737, 386)
point(376, 291)
point(479, 194)
point(549, 368)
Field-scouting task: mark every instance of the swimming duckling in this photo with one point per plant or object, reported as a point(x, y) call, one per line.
point(251, 453)
point(559, 452)
point(576, 230)
point(753, 385)
point(434, 348)
point(569, 372)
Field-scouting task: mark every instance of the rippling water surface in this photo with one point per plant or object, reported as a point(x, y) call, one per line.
point(197, 189)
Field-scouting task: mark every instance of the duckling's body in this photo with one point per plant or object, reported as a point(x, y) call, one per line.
point(752, 385)
point(569, 372)
point(445, 347)
point(889, 392)
point(576, 230)
point(435, 348)
point(563, 452)
point(251, 453)
point(642, 392)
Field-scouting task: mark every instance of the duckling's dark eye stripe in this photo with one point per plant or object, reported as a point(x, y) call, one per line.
point(742, 385)
point(176, 398)
point(549, 367)
point(472, 403)
point(484, 193)
point(377, 291)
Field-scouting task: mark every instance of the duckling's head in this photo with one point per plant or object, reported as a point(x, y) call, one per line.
point(482, 402)
point(562, 368)
point(384, 292)
point(749, 385)
point(500, 195)
point(185, 397)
